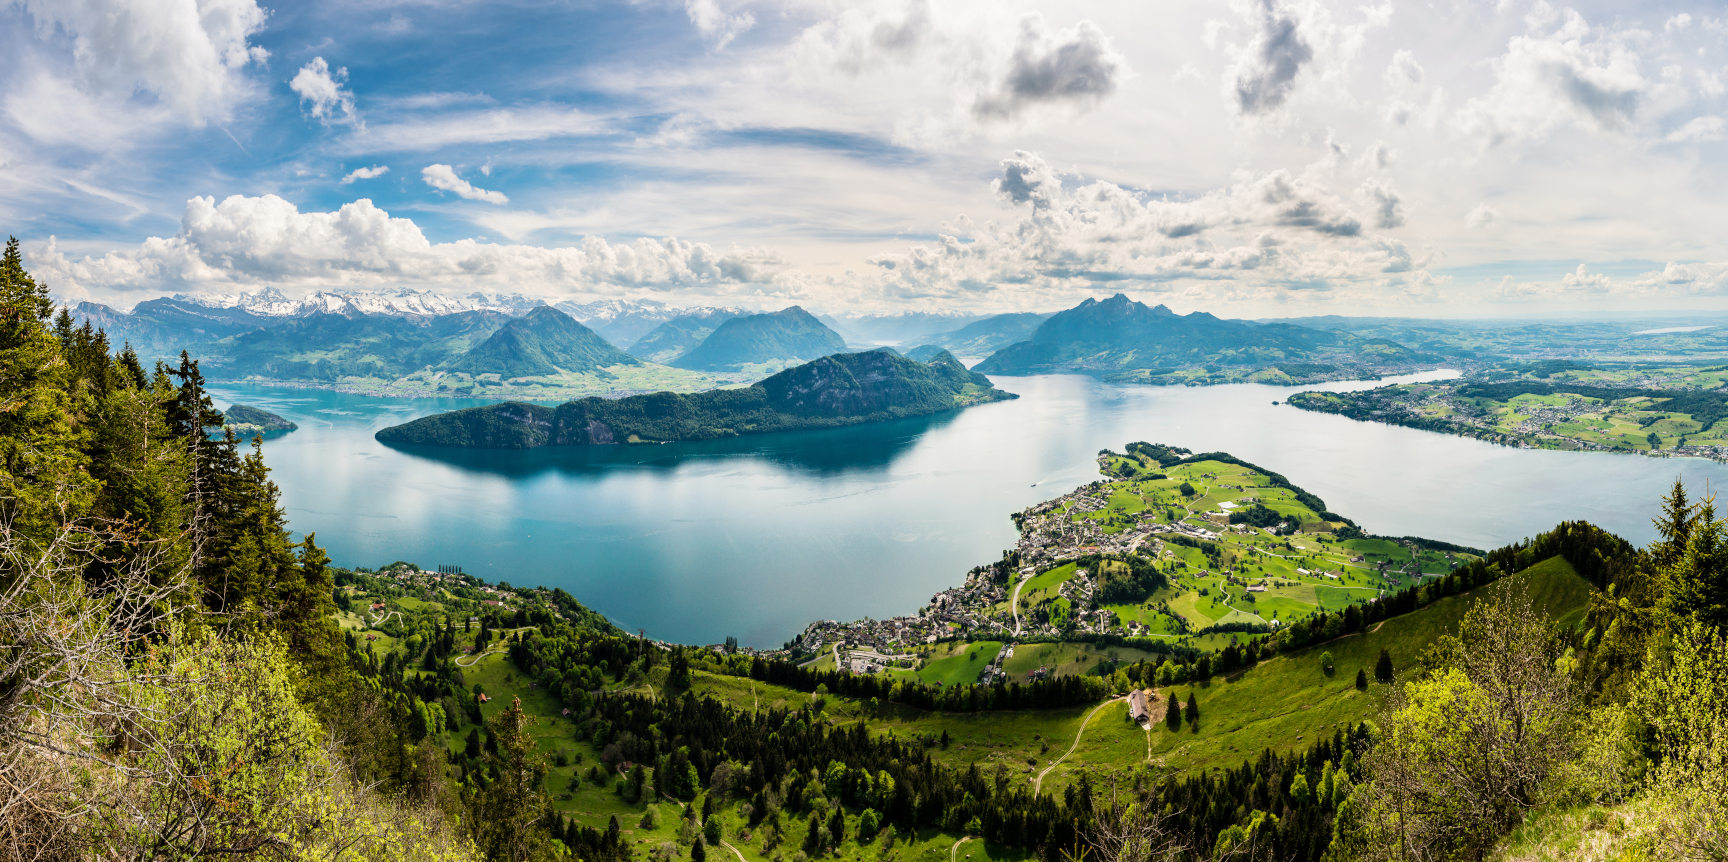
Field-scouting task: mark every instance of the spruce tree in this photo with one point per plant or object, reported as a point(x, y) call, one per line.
point(1383, 666)
point(1193, 713)
point(1173, 713)
point(1361, 679)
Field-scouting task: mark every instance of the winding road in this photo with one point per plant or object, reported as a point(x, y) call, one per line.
point(1038, 783)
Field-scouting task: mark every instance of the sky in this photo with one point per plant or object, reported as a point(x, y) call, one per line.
point(1260, 158)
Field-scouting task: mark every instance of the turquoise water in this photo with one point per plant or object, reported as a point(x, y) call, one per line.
point(758, 536)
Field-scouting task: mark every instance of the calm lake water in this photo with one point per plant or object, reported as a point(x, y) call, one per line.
point(757, 537)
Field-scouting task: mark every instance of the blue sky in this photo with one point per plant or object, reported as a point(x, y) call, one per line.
point(1266, 157)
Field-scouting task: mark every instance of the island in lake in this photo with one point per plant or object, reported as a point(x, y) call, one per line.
point(248, 422)
point(837, 390)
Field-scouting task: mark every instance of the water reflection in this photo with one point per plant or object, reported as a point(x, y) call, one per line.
point(824, 452)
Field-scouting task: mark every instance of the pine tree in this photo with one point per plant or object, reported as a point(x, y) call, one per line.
point(1673, 527)
point(1193, 713)
point(510, 808)
point(1361, 679)
point(1383, 667)
point(697, 853)
point(1173, 713)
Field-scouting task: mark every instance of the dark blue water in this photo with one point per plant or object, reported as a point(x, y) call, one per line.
point(758, 536)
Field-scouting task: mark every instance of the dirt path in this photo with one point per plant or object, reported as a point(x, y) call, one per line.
point(1038, 783)
point(735, 852)
point(477, 657)
point(956, 848)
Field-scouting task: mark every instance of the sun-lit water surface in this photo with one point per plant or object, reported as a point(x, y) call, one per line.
point(758, 536)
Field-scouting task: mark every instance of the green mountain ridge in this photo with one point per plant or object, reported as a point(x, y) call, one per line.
point(791, 334)
point(843, 389)
point(543, 342)
point(246, 421)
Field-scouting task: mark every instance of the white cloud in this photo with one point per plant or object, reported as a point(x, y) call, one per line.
point(1262, 237)
point(1573, 74)
point(1075, 66)
point(248, 242)
point(1481, 216)
point(444, 177)
point(715, 24)
point(492, 126)
point(1707, 128)
point(189, 54)
point(366, 173)
point(321, 90)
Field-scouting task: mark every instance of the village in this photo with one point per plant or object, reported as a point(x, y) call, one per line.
point(1084, 524)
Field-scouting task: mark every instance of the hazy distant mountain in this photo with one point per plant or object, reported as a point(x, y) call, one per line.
point(677, 336)
point(1118, 336)
point(918, 327)
point(788, 335)
point(542, 342)
point(620, 321)
point(843, 389)
point(984, 337)
point(328, 347)
point(163, 327)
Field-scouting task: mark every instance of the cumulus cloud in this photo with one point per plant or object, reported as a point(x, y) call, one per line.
point(715, 24)
point(1481, 216)
point(1573, 73)
point(246, 242)
point(1265, 72)
point(1075, 66)
point(862, 38)
point(366, 173)
point(444, 177)
point(189, 55)
point(1388, 207)
point(1260, 236)
point(321, 92)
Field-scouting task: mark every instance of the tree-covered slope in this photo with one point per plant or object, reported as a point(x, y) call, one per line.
point(1121, 338)
point(542, 342)
point(843, 389)
point(790, 334)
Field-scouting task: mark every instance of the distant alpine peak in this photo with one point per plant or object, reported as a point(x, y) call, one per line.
point(271, 302)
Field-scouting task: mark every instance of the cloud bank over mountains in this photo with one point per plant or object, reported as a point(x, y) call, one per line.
point(1260, 156)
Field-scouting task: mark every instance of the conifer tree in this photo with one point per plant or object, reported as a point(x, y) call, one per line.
point(1173, 713)
point(1383, 666)
point(1193, 712)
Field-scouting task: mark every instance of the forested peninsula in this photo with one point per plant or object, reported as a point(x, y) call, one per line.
point(837, 390)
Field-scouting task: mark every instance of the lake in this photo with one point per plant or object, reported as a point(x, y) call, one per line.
point(758, 536)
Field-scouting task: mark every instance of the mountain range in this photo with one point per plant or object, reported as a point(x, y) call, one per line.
point(842, 389)
point(1124, 340)
point(677, 336)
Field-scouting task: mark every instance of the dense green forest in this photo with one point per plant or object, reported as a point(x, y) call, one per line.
point(178, 680)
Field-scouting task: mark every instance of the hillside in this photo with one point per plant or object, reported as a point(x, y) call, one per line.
point(1124, 340)
point(788, 335)
point(843, 389)
point(677, 336)
point(542, 342)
